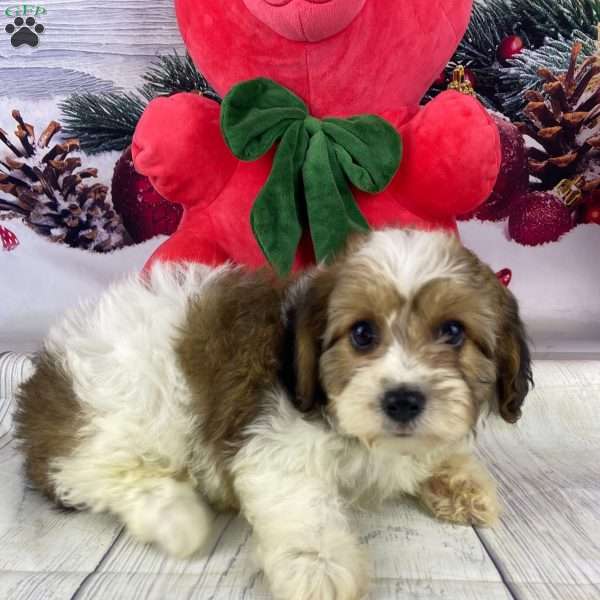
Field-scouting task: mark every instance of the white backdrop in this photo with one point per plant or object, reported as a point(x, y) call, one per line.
point(102, 45)
point(558, 285)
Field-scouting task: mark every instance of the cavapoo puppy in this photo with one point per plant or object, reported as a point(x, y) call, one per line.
point(350, 385)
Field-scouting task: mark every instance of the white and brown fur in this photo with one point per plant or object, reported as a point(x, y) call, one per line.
point(198, 387)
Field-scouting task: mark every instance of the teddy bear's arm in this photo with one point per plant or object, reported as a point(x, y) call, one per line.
point(178, 145)
point(451, 157)
point(199, 245)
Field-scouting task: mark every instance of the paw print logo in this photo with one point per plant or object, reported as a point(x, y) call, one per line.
point(24, 32)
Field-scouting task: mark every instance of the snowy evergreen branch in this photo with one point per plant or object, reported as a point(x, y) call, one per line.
point(521, 74)
point(107, 121)
point(554, 18)
point(102, 122)
point(174, 73)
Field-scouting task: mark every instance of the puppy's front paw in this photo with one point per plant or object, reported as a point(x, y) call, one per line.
point(461, 492)
point(307, 574)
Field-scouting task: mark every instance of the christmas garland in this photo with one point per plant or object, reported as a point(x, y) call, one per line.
point(508, 41)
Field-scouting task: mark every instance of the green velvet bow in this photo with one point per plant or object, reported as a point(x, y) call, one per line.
point(315, 162)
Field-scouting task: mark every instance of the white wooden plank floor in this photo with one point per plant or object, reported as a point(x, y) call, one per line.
point(547, 545)
point(548, 468)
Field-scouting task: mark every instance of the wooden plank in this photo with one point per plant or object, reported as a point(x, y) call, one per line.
point(546, 546)
point(140, 586)
point(35, 537)
point(113, 27)
point(35, 83)
point(406, 589)
point(136, 571)
point(404, 543)
point(549, 477)
point(44, 552)
point(29, 585)
point(97, 45)
point(59, 547)
point(229, 537)
point(14, 368)
point(161, 586)
point(545, 591)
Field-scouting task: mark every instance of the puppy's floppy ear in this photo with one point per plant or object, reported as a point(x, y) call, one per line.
point(513, 361)
point(308, 320)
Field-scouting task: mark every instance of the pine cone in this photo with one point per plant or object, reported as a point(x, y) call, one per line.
point(564, 119)
point(47, 187)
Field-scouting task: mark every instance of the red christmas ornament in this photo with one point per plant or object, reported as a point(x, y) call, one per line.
point(509, 47)
point(470, 78)
point(8, 239)
point(504, 277)
point(144, 211)
point(513, 178)
point(538, 218)
point(591, 213)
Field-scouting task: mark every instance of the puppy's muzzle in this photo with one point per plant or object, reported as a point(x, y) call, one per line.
point(403, 404)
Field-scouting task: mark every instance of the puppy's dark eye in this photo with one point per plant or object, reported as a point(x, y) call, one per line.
point(363, 335)
point(452, 333)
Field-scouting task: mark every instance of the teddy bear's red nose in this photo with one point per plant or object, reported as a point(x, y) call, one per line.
point(305, 20)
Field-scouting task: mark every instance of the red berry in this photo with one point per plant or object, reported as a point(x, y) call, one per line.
point(538, 218)
point(504, 277)
point(8, 238)
point(509, 47)
point(592, 213)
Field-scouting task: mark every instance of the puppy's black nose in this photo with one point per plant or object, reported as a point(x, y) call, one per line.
point(403, 404)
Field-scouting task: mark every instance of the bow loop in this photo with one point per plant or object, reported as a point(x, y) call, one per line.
point(369, 150)
point(313, 126)
point(277, 208)
point(314, 163)
point(256, 114)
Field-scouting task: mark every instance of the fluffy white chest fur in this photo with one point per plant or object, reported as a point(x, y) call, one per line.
point(201, 387)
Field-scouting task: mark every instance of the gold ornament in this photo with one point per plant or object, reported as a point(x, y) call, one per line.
point(460, 83)
point(570, 190)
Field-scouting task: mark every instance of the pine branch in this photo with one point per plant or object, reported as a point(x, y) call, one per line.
point(491, 21)
point(554, 18)
point(103, 121)
point(547, 28)
point(521, 74)
point(107, 121)
point(175, 73)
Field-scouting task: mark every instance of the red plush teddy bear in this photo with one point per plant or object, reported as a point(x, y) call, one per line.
point(337, 58)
